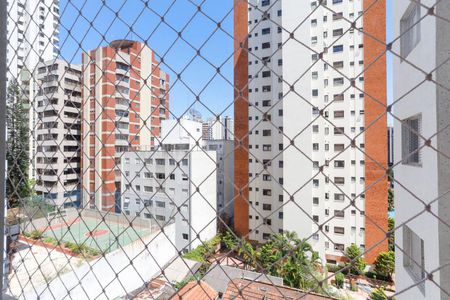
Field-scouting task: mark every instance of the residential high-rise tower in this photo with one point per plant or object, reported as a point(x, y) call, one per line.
point(33, 30)
point(310, 129)
point(124, 100)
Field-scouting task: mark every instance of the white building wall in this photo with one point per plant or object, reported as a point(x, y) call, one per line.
point(417, 185)
point(293, 117)
point(183, 131)
point(33, 29)
point(225, 171)
point(143, 197)
point(55, 110)
point(203, 199)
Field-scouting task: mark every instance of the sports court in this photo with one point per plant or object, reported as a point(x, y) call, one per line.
point(102, 235)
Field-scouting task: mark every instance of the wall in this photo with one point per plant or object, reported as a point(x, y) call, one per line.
point(416, 185)
point(88, 280)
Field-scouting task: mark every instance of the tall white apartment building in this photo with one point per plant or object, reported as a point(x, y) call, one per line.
point(301, 67)
point(55, 151)
point(224, 150)
point(32, 30)
point(422, 148)
point(175, 182)
point(219, 129)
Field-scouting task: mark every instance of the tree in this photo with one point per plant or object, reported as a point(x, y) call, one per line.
point(339, 277)
point(385, 264)
point(17, 184)
point(293, 259)
point(229, 240)
point(390, 200)
point(378, 294)
point(357, 263)
point(391, 240)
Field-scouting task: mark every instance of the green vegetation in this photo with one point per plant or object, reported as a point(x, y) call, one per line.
point(337, 268)
point(385, 264)
point(181, 284)
point(86, 251)
point(390, 199)
point(36, 234)
point(50, 240)
point(17, 184)
point(391, 240)
point(202, 252)
point(82, 249)
point(283, 255)
point(378, 294)
point(357, 263)
point(339, 277)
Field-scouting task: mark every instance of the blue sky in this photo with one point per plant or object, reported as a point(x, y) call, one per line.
point(198, 75)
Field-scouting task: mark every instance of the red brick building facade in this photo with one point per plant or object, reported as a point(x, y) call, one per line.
point(124, 100)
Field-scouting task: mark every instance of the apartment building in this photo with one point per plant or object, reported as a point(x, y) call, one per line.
point(32, 30)
point(221, 128)
point(422, 148)
point(175, 182)
point(56, 135)
point(314, 165)
point(224, 150)
point(124, 100)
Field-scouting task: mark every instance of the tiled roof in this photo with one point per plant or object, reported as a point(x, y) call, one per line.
point(195, 290)
point(250, 290)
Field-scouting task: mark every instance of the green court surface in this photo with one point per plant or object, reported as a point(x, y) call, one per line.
point(102, 235)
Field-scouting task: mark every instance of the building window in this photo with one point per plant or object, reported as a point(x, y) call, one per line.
point(410, 140)
point(339, 197)
point(338, 48)
point(339, 213)
point(339, 230)
point(338, 81)
point(410, 29)
point(339, 247)
point(413, 258)
point(267, 207)
point(185, 236)
point(338, 32)
point(265, 45)
point(267, 192)
point(339, 180)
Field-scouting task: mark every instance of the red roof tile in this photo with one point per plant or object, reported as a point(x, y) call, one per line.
point(195, 290)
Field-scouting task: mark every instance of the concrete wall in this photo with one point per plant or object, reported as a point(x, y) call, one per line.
point(97, 280)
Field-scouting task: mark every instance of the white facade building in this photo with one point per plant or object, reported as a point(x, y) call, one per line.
point(55, 146)
point(225, 170)
point(176, 182)
point(422, 174)
point(281, 169)
point(219, 129)
point(32, 30)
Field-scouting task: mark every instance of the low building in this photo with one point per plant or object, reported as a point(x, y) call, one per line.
point(175, 181)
